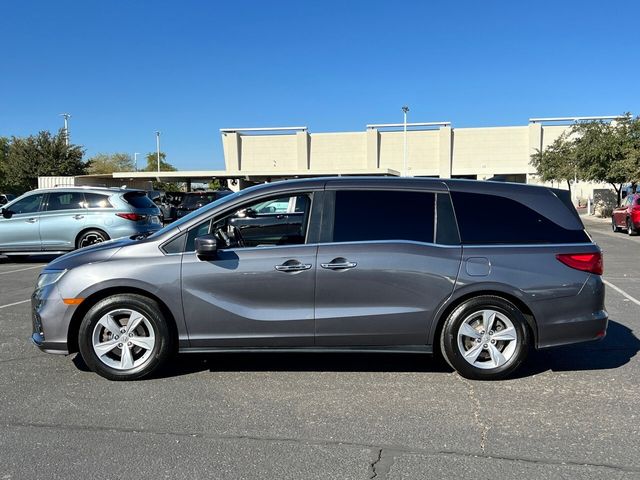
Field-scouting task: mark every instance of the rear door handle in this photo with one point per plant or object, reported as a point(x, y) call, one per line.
point(342, 265)
point(31, 220)
point(293, 267)
point(78, 217)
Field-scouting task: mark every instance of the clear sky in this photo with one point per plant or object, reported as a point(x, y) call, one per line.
point(125, 68)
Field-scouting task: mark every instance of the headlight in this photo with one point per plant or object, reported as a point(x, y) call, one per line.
point(48, 278)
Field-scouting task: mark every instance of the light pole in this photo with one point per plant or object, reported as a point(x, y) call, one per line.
point(66, 117)
point(135, 159)
point(158, 148)
point(405, 109)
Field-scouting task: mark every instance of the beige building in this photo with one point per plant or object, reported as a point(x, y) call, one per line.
point(434, 149)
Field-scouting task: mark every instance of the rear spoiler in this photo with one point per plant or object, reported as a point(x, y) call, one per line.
point(565, 197)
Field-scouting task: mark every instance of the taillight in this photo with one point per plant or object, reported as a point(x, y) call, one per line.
point(134, 217)
point(587, 262)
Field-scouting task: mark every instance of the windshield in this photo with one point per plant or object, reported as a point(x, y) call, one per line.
point(195, 213)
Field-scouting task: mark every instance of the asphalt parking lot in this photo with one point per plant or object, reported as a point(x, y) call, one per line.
point(571, 413)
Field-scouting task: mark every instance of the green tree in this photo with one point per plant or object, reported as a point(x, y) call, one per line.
point(605, 151)
point(110, 162)
point(152, 163)
point(217, 184)
point(43, 154)
point(4, 153)
point(557, 162)
point(152, 166)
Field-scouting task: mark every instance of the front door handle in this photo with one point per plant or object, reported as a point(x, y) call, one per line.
point(31, 220)
point(293, 267)
point(339, 264)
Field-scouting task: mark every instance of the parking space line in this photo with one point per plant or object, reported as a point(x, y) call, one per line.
point(620, 291)
point(15, 303)
point(21, 269)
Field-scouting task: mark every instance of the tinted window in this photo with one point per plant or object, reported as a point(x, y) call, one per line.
point(383, 215)
point(96, 200)
point(138, 200)
point(489, 219)
point(65, 201)
point(194, 200)
point(30, 204)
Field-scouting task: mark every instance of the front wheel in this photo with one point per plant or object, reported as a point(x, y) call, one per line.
point(630, 230)
point(124, 337)
point(485, 338)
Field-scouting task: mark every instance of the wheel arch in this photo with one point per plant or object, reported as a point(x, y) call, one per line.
point(456, 301)
point(91, 300)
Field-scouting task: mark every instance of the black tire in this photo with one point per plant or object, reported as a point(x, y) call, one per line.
point(614, 227)
point(630, 230)
point(450, 347)
point(155, 321)
point(91, 237)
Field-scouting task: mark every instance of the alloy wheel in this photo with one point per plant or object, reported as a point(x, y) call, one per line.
point(123, 339)
point(487, 339)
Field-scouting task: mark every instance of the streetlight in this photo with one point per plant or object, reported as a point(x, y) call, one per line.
point(135, 159)
point(66, 117)
point(405, 109)
point(158, 148)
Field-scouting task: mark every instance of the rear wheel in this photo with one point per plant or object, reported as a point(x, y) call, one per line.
point(91, 237)
point(630, 230)
point(485, 338)
point(614, 227)
point(124, 337)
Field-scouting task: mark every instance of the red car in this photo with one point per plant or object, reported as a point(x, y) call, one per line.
point(627, 216)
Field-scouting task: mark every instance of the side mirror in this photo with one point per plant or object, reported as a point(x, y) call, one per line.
point(206, 246)
point(246, 213)
point(6, 213)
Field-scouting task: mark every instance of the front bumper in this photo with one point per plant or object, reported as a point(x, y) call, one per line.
point(49, 347)
point(50, 320)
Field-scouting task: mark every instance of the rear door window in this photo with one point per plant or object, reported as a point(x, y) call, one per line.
point(64, 201)
point(373, 215)
point(490, 219)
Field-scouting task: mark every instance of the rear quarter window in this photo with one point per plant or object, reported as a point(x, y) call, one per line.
point(97, 200)
point(490, 219)
point(138, 200)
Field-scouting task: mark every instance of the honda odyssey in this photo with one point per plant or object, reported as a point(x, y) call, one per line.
point(480, 271)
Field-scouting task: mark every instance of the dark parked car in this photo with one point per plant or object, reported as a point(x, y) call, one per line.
point(627, 216)
point(6, 198)
point(350, 264)
point(168, 204)
point(195, 200)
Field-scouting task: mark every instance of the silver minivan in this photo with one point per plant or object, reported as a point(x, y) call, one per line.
point(479, 271)
point(65, 218)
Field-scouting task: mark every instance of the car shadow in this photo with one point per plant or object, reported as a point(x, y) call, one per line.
point(617, 349)
point(44, 258)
